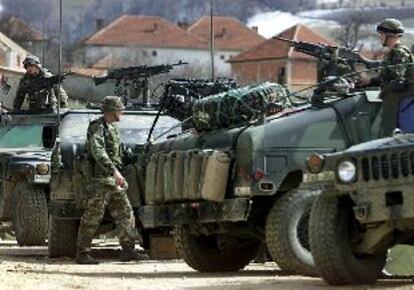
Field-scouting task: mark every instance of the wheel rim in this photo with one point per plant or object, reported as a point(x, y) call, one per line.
point(302, 231)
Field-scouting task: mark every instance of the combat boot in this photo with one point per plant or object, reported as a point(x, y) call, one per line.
point(131, 254)
point(85, 259)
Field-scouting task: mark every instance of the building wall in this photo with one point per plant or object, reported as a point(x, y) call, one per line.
point(294, 73)
point(12, 77)
point(303, 73)
point(257, 71)
point(197, 58)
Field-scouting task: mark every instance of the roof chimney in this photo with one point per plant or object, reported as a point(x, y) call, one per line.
point(255, 29)
point(99, 23)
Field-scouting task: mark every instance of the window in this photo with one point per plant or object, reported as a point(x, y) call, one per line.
point(154, 53)
point(281, 75)
point(223, 57)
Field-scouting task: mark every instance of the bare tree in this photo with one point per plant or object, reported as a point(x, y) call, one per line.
point(351, 31)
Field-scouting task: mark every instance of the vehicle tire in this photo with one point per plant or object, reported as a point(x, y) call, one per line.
point(287, 232)
point(30, 214)
point(331, 228)
point(62, 238)
point(203, 254)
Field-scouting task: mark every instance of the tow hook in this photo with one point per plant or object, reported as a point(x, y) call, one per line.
point(361, 211)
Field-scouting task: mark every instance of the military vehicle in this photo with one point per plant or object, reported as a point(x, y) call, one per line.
point(25, 174)
point(68, 190)
point(256, 157)
point(364, 209)
point(220, 221)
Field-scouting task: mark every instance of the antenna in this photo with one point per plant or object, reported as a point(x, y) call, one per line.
point(212, 39)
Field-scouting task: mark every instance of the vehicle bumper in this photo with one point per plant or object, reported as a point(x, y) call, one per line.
point(167, 215)
point(384, 203)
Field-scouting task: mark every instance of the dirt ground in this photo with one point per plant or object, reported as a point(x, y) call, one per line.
point(30, 268)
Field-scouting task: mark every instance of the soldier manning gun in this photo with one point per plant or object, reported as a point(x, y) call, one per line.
point(333, 60)
point(135, 78)
point(46, 83)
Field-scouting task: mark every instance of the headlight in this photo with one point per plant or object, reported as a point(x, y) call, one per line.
point(42, 168)
point(347, 171)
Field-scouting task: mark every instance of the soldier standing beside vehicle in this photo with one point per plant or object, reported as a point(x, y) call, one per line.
point(103, 147)
point(395, 78)
point(43, 99)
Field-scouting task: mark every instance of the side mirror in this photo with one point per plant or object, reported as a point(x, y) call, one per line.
point(49, 133)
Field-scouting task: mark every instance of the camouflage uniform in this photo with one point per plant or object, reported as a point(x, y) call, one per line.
point(103, 148)
point(395, 82)
point(38, 100)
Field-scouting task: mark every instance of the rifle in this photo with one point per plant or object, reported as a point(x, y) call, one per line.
point(329, 53)
point(46, 83)
point(138, 75)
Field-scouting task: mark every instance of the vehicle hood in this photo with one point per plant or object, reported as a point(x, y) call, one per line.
point(401, 140)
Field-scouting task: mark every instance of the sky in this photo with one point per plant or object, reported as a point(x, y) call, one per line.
point(272, 23)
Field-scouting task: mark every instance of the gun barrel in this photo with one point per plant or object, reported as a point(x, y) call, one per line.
point(284, 39)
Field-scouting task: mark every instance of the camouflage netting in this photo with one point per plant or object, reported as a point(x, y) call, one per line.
point(239, 107)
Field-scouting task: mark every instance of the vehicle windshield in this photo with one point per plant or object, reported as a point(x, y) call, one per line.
point(134, 129)
point(21, 136)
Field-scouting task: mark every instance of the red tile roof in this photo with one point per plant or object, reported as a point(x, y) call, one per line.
point(277, 49)
point(150, 31)
point(19, 30)
point(229, 33)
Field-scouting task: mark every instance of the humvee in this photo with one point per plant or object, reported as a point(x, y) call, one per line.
point(263, 199)
point(25, 137)
point(65, 200)
point(365, 208)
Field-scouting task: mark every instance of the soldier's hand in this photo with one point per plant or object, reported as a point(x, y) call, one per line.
point(119, 179)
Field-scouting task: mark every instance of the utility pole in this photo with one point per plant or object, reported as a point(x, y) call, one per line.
point(60, 64)
point(212, 40)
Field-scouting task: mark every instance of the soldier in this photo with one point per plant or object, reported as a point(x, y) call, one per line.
point(395, 77)
point(37, 100)
point(103, 148)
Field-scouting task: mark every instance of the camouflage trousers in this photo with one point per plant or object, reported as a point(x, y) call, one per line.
point(107, 197)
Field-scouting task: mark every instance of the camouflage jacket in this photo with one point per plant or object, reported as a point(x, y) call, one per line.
point(103, 146)
point(41, 99)
point(399, 74)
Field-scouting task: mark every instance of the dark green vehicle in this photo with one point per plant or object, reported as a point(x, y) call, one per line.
point(68, 190)
point(263, 198)
point(364, 209)
point(25, 174)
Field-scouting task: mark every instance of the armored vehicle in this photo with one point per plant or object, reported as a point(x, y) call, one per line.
point(364, 209)
point(241, 186)
point(25, 174)
point(69, 189)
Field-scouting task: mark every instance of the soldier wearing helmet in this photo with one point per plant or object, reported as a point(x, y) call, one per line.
point(103, 147)
point(395, 78)
point(42, 99)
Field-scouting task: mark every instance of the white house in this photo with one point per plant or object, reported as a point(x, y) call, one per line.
point(136, 40)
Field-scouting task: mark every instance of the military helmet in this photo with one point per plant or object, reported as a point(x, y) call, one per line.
point(112, 104)
point(31, 60)
point(391, 26)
